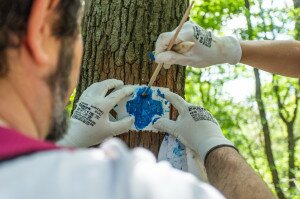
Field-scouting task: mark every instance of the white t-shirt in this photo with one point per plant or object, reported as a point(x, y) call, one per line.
point(111, 172)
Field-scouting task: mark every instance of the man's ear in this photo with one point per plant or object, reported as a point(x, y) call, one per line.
point(36, 28)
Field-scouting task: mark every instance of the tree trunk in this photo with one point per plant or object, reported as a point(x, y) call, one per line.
point(289, 123)
point(297, 20)
point(267, 137)
point(118, 36)
point(263, 117)
point(291, 150)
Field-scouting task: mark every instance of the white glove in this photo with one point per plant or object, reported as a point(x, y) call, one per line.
point(195, 127)
point(208, 50)
point(90, 123)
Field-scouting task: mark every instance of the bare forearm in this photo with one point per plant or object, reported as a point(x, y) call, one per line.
point(279, 57)
point(229, 173)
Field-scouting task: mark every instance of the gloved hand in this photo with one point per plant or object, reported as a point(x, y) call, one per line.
point(208, 50)
point(90, 123)
point(195, 127)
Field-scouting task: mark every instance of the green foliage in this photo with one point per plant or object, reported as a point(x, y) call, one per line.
point(69, 107)
point(240, 120)
point(210, 13)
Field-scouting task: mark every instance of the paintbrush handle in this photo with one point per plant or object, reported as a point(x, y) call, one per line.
point(172, 42)
point(155, 74)
point(183, 20)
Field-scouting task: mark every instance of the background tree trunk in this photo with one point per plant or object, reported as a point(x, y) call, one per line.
point(263, 115)
point(118, 36)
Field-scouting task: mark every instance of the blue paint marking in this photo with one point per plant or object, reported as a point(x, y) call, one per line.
point(179, 150)
point(152, 56)
point(144, 109)
point(155, 120)
point(160, 94)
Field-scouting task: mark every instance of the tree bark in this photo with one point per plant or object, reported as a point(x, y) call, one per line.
point(118, 36)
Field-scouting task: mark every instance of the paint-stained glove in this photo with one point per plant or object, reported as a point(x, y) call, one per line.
point(208, 50)
point(90, 123)
point(195, 127)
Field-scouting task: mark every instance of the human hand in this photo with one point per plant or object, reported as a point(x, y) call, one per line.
point(195, 127)
point(90, 124)
point(208, 50)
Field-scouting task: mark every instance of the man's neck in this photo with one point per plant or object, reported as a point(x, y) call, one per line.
point(13, 111)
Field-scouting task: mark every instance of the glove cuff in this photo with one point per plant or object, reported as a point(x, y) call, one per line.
point(233, 50)
point(212, 144)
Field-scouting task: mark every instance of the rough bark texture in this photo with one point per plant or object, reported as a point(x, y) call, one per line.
point(118, 36)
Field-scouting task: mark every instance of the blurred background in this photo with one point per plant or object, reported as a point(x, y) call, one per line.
point(257, 110)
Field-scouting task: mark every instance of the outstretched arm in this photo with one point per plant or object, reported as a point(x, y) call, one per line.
point(197, 129)
point(279, 57)
point(228, 172)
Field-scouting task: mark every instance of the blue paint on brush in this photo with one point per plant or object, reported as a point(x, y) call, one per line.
point(144, 108)
point(145, 93)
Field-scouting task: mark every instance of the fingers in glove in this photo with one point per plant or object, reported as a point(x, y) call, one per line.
point(165, 125)
point(101, 88)
point(122, 126)
point(183, 47)
point(115, 97)
point(111, 118)
point(177, 101)
point(186, 34)
point(163, 41)
point(167, 66)
point(170, 58)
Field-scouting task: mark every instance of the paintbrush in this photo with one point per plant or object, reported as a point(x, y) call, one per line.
point(171, 44)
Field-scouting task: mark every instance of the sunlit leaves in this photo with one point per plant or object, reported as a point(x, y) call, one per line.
point(240, 120)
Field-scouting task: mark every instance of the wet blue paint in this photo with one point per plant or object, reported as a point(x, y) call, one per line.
point(155, 120)
point(179, 150)
point(144, 108)
point(160, 94)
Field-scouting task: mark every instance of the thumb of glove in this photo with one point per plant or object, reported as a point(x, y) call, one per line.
point(122, 126)
point(165, 125)
point(170, 58)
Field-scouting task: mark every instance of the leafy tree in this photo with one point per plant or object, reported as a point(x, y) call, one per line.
point(271, 149)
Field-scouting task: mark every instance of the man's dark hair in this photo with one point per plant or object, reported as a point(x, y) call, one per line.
point(14, 16)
